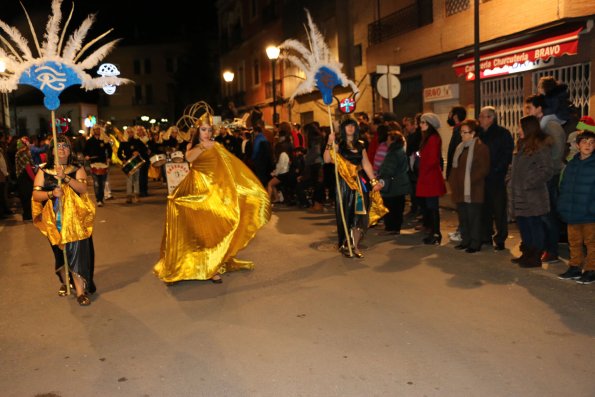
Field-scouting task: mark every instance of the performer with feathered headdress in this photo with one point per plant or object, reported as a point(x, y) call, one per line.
point(213, 213)
point(63, 212)
point(358, 199)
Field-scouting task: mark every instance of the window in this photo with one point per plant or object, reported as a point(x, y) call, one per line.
point(253, 8)
point(136, 66)
point(138, 95)
point(256, 72)
point(241, 79)
point(410, 99)
point(306, 118)
point(506, 95)
point(456, 6)
point(149, 94)
point(147, 66)
point(357, 55)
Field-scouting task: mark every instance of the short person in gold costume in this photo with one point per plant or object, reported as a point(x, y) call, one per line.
point(63, 212)
point(213, 213)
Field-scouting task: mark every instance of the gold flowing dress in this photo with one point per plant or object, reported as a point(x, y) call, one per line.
point(213, 213)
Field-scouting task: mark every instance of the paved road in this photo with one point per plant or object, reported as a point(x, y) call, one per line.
point(407, 320)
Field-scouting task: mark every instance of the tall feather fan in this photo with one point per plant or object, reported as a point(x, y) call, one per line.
point(68, 61)
point(321, 71)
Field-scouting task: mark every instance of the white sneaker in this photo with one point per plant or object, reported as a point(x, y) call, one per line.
point(100, 203)
point(455, 237)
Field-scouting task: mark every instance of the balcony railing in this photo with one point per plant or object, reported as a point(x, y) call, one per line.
point(401, 21)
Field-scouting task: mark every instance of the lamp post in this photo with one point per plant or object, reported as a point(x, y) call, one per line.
point(228, 76)
point(273, 54)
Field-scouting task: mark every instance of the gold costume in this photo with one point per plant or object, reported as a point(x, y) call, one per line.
point(213, 213)
point(77, 220)
point(349, 172)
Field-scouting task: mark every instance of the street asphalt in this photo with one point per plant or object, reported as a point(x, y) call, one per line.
point(406, 320)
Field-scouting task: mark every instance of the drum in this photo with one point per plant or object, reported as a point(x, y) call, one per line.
point(177, 156)
point(158, 160)
point(99, 168)
point(133, 165)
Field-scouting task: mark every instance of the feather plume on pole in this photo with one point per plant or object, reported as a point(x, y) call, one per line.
point(321, 70)
point(23, 68)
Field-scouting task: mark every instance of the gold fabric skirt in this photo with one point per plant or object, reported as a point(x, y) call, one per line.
point(77, 220)
point(213, 213)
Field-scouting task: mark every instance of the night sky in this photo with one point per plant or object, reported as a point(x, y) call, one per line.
point(132, 20)
point(138, 22)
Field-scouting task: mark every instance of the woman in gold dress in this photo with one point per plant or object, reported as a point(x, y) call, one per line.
point(64, 213)
point(213, 213)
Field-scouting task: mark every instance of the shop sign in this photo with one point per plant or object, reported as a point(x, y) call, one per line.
point(441, 93)
point(521, 58)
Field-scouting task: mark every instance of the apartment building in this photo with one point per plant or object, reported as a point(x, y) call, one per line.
point(430, 40)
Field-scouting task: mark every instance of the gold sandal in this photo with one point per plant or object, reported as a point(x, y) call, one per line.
point(62, 291)
point(83, 300)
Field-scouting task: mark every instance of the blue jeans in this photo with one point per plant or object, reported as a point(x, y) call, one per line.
point(551, 222)
point(531, 228)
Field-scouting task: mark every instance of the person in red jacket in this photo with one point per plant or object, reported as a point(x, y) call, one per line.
point(430, 183)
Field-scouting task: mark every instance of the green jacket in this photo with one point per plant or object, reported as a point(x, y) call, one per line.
point(394, 172)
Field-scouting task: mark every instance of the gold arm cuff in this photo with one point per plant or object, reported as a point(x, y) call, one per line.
point(50, 195)
point(82, 180)
point(37, 188)
point(67, 179)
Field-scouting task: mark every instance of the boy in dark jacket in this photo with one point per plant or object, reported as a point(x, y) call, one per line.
point(576, 205)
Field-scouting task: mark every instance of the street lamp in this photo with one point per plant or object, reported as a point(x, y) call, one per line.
point(273, 55)
point(228, 76)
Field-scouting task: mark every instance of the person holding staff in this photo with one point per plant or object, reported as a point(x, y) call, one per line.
point(354, 211)
point(63, 212)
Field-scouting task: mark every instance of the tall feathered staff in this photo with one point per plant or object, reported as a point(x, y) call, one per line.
point(57, 66)
point(321, 72)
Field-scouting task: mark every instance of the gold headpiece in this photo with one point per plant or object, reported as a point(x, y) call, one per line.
point(195, 115)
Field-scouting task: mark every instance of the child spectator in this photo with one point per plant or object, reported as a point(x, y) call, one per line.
point(577, 207)
point(557, 100)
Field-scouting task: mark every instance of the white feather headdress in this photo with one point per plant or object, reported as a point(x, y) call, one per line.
point(312, 60)
point(18, 57)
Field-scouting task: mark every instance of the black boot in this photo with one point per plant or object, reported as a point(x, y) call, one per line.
point(520, 258)
point(532, 258)
point(435, 236)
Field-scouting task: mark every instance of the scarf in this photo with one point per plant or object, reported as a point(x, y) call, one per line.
point(455, 164)
point(22, 160)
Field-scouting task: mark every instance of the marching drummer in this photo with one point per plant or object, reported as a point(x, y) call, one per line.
point(155, 147)
point(97, 152)
point(129, 149)
point(172, 142)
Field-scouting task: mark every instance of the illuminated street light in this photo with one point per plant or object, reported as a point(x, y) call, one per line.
point(273, 54)
point(228, 76)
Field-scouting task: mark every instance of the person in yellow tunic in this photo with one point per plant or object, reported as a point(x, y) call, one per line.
point(213, 213)
point(64, 213)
